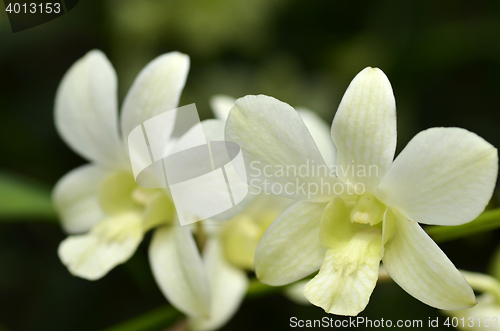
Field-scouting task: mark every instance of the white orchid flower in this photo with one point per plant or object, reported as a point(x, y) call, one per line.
point(230, 249)
point(102, 200)
point(444, 176)
point(486, 314)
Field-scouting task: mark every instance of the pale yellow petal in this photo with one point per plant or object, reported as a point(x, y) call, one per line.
point(156, 90)
point(159, 210)
point(444, 176)
point(179, 270)
point(348, 274)
point(279, 150)
point(421, 268)
point(240, 237)
point(76, 198)
point(291, 249)
point(86, 110)
point(111, 242)
point(228, 286)
point(295, 292)
point(221, 105)
point(320, 132)
point(364, 129)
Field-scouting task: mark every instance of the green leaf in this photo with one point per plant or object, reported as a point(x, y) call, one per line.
point(22, 198)
point(487, 221)
point(155, 320)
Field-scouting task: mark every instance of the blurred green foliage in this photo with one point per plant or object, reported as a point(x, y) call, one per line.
point(442, 57)
point(23, 199)
point(489, 220)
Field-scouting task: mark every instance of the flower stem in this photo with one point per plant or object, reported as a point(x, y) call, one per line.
point(159, 318)
point(487, 221)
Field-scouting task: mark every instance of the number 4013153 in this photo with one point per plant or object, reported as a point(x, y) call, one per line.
point(472, 322)
point(33, 8)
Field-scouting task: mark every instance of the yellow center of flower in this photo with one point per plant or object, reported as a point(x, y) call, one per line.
point(119, 193)
point(367, 210)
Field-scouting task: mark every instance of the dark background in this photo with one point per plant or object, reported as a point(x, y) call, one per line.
point(442, 57)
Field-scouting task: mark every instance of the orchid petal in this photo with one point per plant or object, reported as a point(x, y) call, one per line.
point(350, 268)
point(76, 198)
point(320, 132)
point(179, 271)
point(86, 110)
point(273, 138)
point(111, 242)
point(221, 106)
point(364, 129)
point(290, 249)
point(295, 293)
point(421, 268)
point(159, 210)
point(241, 236)
point(348, 275)
point(156, 90)
point(444, 176)
point(228, 286)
